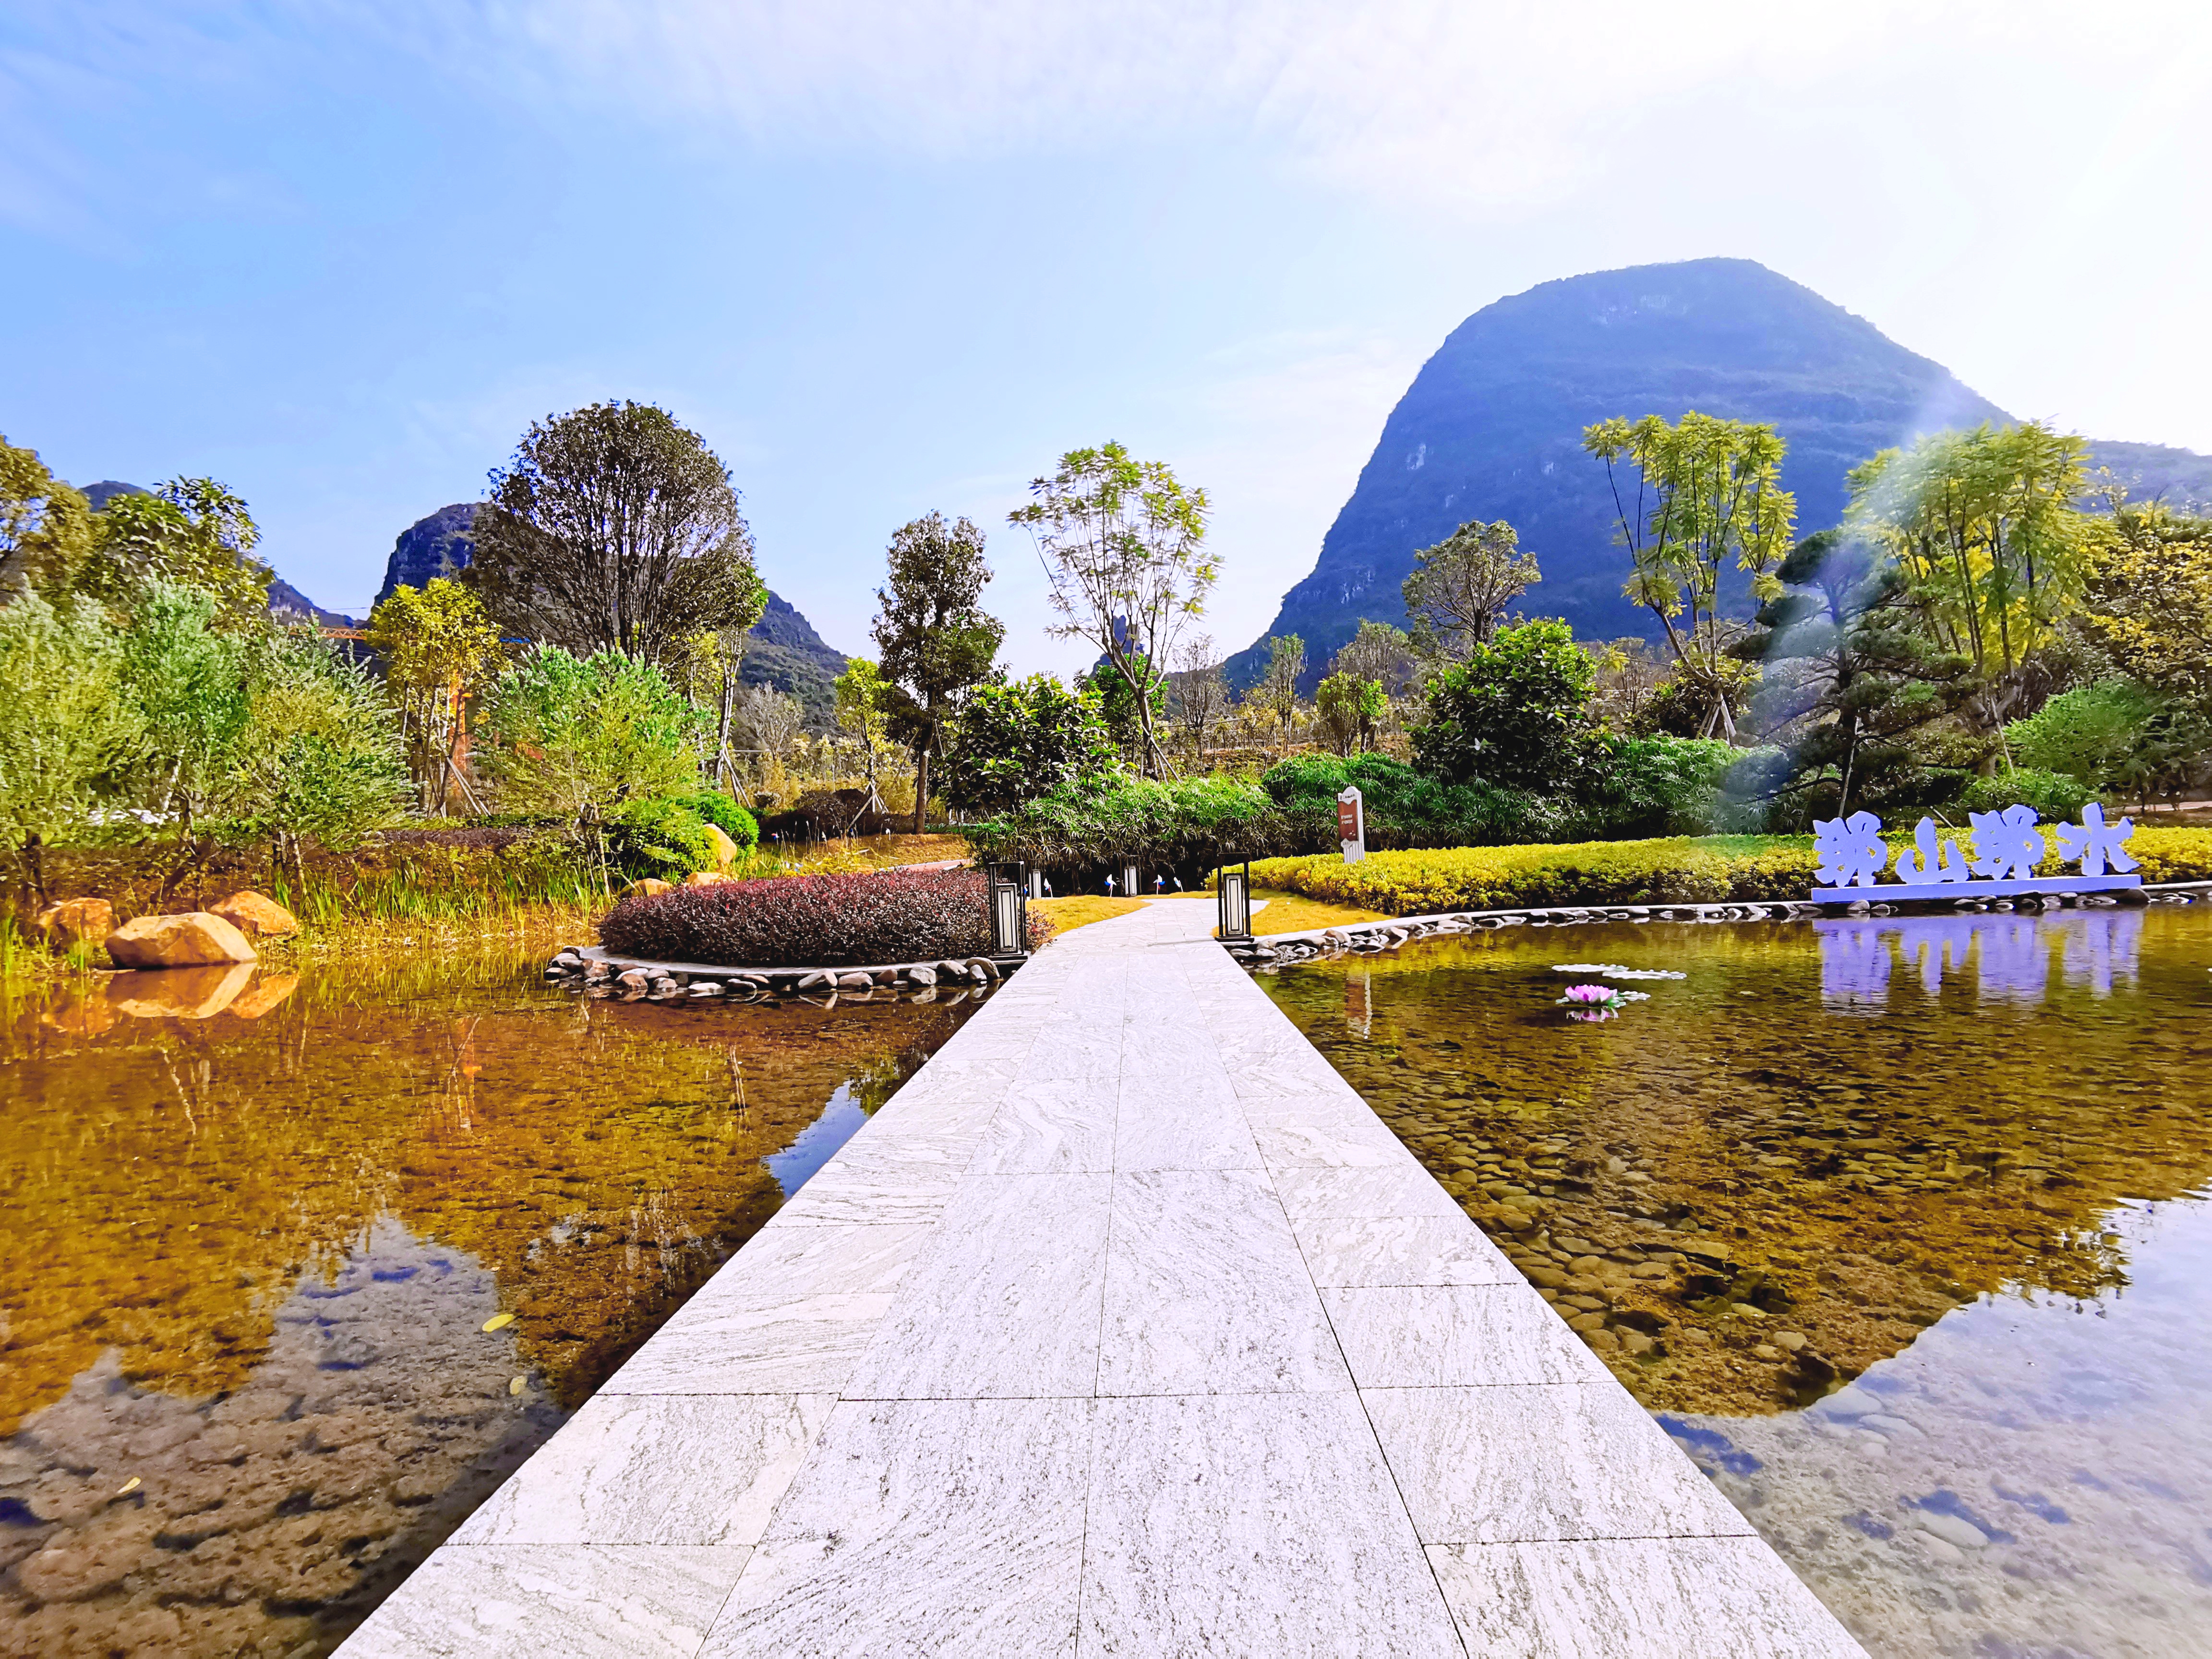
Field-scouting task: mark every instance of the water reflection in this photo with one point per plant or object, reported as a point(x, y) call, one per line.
point(283, 1209)
point(2006, 957)
point(1954, 1162)
point(2032, 1477)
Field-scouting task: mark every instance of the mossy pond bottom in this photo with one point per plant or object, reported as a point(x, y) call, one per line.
point(293, 1271)
point(1899, 1225)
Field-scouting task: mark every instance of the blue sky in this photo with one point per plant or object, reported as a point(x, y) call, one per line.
point(893, 258)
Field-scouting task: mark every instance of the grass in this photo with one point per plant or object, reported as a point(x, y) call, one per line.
point(1066, 914)
point(1294, 913)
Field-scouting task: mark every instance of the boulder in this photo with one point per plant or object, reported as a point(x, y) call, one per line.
point(194, 939)
point(646, 888)
point(258, 916)
point(707, 879)
point(725, 850)
point(854, 982)
point(922, 975)
point(183, 993)
point(68, 923)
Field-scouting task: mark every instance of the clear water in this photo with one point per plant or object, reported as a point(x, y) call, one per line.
point(252, 1229)
point(1900, 1225)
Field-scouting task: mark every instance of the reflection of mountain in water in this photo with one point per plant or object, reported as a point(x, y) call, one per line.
point(2031, 1477)
point(208, 1219)
point(282, 1510)
point(2008, 958)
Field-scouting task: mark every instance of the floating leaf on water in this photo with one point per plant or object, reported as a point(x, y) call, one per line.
point(515, 1387)
point(130, 1486)
point(499, 1321)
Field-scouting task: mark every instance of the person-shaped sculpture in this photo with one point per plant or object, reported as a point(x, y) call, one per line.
point(1926, 865)
point(2007, 840)
point(2096, 842)
point(1850, 850)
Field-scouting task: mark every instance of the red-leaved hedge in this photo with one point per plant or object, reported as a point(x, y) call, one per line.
point(809, 921)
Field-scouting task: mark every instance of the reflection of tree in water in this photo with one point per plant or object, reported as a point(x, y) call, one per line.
point(1991, 1089)
point(163, 1184)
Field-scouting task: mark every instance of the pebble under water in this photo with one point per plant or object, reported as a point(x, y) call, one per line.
point(296, 1270)
point(1900, 1225)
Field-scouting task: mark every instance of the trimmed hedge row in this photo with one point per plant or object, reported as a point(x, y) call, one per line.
point(1676, 870)
point(859, 921)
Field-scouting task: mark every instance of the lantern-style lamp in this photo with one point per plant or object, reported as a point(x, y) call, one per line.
point(1010, 913)
point(1128, 878)
point(1236, 899)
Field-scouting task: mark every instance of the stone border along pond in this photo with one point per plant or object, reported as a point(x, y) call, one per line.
point(1368, 938)
point(590, 969)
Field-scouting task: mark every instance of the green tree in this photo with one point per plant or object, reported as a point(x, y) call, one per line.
point(1277, 689)
point(438, 646)
point(1349, 708)
point(1984, 525)
point(1379, 652)
point(320, 758)
point(1461, 587)
point(1119, 707)
point(936, 639)
point(1708, 497)
point(1124, 559)
point(576, 737)
point(46, 527)
point(862, 699)
point(614, 528)
point(190, 533)
point(2148, 604)
point(1514, 714)
point(64, 726)
point(190, 684)
point(1016, 741)
point(1848, 669)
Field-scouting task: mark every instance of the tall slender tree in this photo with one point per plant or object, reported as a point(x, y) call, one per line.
point(1123, 547)
point(936, 639)
point(1278, 686)
point(1708, 496)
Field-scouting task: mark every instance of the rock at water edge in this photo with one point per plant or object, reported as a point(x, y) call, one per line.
point(258, 916)
point(194, 939)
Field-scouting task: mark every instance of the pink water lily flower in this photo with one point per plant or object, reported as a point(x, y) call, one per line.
point(1590, 995)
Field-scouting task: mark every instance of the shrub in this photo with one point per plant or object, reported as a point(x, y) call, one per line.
point(713, 807)
point(662, 837)
point(800, 922)
point(2054, 796)
point(1015, 742)
point(1514, 714)
point(1660, 785)
point(577, 735)
point(2087, 734)
point(1186, 823)
point(1405, 808)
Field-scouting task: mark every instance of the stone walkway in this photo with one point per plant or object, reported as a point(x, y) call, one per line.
point(1125, 1328)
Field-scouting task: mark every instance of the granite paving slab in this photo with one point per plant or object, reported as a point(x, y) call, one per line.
point(1124, 1327)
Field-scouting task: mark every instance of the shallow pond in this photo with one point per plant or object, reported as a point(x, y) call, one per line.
point(1960, 1160)
point(293, 1270)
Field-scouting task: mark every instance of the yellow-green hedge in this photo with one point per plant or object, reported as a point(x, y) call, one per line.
point(1673, 871)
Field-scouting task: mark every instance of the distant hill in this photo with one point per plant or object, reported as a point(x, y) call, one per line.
point(438, 545)
point(1492, 428)
point(286, 600)
point(784, 650)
